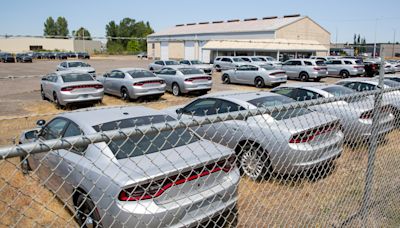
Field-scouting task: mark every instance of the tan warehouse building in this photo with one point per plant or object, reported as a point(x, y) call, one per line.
point(24, 44)
point(281, 37)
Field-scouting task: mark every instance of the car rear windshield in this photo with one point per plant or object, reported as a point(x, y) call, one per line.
point(257, 59)
point(78, 64)
point(270, 101)
point(147, 143)
point(320, 63)
point(196, 62)
point(171, 63)
point(76, 77)
point(188, 71)
point(141, 74)
point(268, 67)
point(359, 62)
point(338, 90)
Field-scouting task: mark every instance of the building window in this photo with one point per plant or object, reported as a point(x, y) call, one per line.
point(35, 47)
point(153, 45)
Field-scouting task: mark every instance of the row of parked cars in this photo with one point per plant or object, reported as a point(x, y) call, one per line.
point(7, 57)
point(149, 173)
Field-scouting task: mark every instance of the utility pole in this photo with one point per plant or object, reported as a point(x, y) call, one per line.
point(376, 23)
point(394, 41)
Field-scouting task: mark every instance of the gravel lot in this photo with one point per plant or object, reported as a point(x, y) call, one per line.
point(19, 96)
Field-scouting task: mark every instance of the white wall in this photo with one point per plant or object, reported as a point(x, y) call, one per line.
point(164, 51)
point(189, 50)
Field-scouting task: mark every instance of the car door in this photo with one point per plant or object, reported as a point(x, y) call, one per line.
point(297, 67)
point(114, 82)
point(46, 163)
point(166, 74)
point(288, 67)
point(43, 85)
point(50, 86)
point(240, 74)
point(158, 65)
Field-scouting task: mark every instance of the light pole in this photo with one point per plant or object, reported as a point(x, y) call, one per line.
point(394, 41)
point(376, 23)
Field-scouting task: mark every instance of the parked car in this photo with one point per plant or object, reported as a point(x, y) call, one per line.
point(371, 68)
point(142, 55)
point(276, 142)
point(23, 58)
point(51, 55)
point(69, 87)
point(61, 55)
point(355, 115)
point(40, 55)
point(180, 180)
point(77, 66)
point(305, 69)
point(227, 63)
point(207, 68)
point(257, 75)
point(132, 83)
point(345, 67)
point(6, 57)
point(183, 79)
point(393, 78)
point(389, 68)
point(159, 64)
point(324, 58)
point(253, 60)
point(389, 98)
point(270, 61)
point(72, 55)
point(83, 55)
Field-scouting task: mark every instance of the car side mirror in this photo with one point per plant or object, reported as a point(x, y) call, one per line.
point(32, 134)
point(179, 111)
point(41, 123)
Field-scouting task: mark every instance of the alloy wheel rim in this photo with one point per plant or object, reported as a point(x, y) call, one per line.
point(175, 90)
point(251, 163)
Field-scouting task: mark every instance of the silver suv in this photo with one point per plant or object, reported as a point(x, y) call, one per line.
point(345, 67)
point(305, 69)
point(227, 62)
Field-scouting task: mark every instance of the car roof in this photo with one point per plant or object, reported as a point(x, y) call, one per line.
point(74, 61)
point(244, 96)
point(359, 80)
point(95, 116)
point(69, 71)
point(306, 84)
point(126, 69)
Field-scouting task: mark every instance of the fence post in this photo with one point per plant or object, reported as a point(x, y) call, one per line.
point(373, 144)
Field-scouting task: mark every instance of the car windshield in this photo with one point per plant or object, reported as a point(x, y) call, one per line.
point(238, 60)
point(171, 63)
point(268, 67)
point(320, 63)
point(147, 143)
point(78, 64)
point(270, 58)
point(359, 62)
point(74, 77)
point(270, 101)
point(338, 90)
point(256, 59)
point(141, 74)
point(188, 71)
point(196, 62)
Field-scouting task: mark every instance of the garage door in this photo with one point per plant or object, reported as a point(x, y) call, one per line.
point(204, 55)
point(164, 50)
point(189, 50)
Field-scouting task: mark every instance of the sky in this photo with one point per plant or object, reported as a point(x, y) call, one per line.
point(342, 18)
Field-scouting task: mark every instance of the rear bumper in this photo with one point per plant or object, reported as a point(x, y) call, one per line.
point(136, 92)
point(190, 87)
point(318, 74)
point(362, 130)
point(275, 80)
point(355, 72)
point(68, 97)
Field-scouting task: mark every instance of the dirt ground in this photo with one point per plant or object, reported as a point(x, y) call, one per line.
point(326, 200)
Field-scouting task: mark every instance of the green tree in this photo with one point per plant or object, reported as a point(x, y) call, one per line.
point(50, 28)
point(62, 27)
point(81, 34)
point(133, 46)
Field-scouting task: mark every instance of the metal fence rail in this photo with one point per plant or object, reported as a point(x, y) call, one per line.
point(282, 165)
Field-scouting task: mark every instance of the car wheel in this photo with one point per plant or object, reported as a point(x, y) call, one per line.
point(344, 74)
point(218, 68)
point(259, 82)
point(125, 94)
point(56, 101)
point(253, 161)
point(42, 94)
point(25, 167)
point(304, 77)
point(176, 91)
point(86, 213)
point(317, 79)
point(226, 79)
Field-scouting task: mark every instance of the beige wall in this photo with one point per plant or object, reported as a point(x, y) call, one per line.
point(15, 45)
point(305, 29)
point(176, 50)
point(154, 53)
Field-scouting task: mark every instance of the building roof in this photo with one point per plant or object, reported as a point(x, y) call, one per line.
point(265, 44)
point(230, 26)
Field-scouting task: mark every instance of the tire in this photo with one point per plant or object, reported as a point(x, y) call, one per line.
point(226, 79)
point(125, 94)
point(317, 79)
point(176, 91)
point(253, 161)
point(42, 94)
point(24, 163)
point(56, 101)
point(344, 74)
point(304, 77)
point(86, 213)
point(259, 82)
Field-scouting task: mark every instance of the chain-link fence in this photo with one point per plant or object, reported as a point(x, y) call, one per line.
point(249, 159)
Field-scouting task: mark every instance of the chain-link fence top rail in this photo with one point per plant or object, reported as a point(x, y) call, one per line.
point(269, 163)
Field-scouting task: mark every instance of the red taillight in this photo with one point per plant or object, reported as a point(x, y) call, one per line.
point(358, 67)
point(279, 72)
point(309, 135)
point(370, 114)
point(198, 78)
point(149, 82)
point(70, 88)
point(157, 188)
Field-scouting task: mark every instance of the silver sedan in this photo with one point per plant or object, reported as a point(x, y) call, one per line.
point(171, 178)
point(355, 115)
point(185, 79)
point(260, 76)
point(67, 87)
point(132, 83)
point(286, 142)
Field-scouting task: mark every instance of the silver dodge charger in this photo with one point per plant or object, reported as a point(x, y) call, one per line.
point(185, 80)
point(132, 83)
point(286, 142)
point(67, 87)
point(172, 178)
